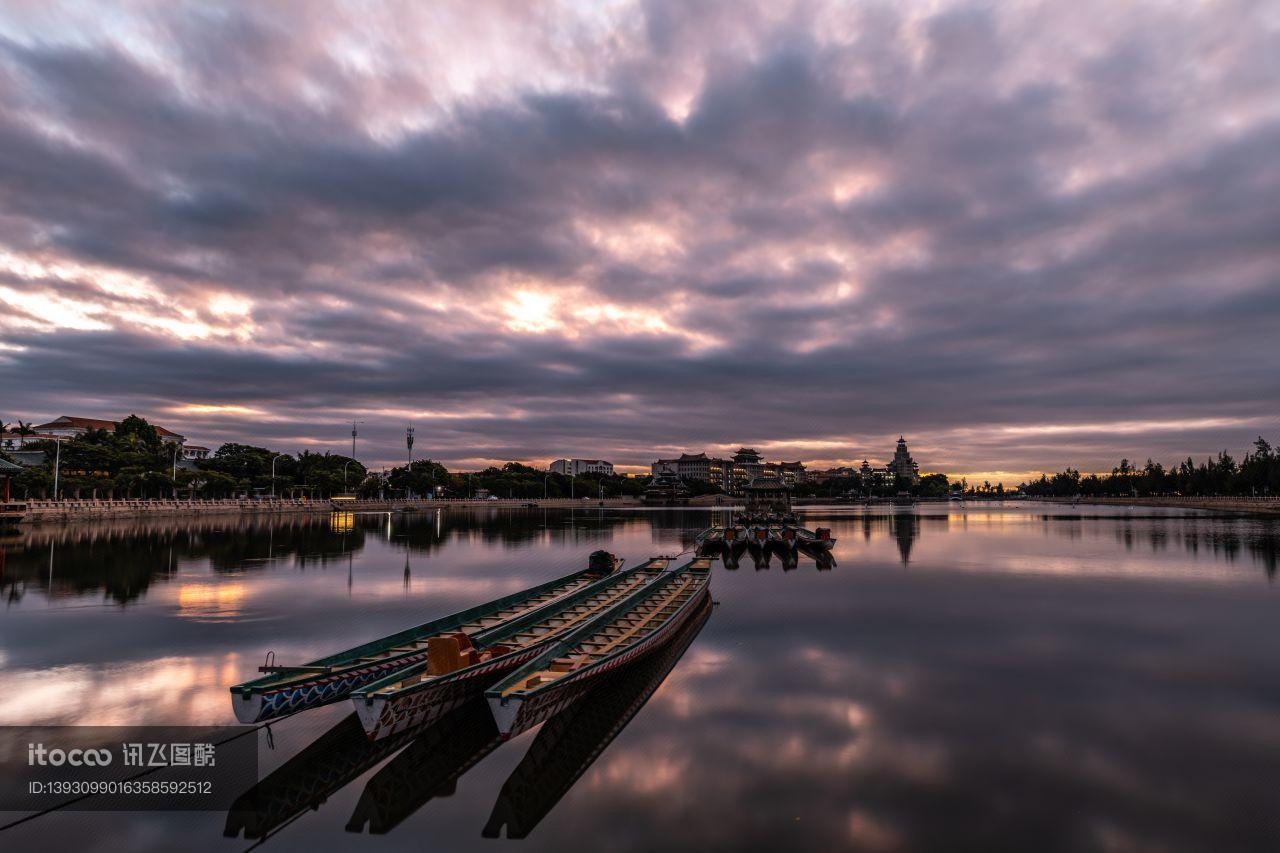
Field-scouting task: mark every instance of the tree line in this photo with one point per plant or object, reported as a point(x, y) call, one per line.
point(132, 461)
point(1257, 474)
point(425, 477)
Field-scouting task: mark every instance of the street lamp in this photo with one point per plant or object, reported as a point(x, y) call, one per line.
point(344, 473)
point(544, 486)
point(273, 473)
point(176, 448)
point(57, 464)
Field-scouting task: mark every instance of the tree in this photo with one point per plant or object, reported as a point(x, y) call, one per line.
point(934, 486)
point(136, 432)
point(421, 478)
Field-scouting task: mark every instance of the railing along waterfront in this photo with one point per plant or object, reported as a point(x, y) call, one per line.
point(72, 509)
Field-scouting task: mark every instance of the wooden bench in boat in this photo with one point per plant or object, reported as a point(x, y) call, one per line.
point(456, 651)
point(625, 630)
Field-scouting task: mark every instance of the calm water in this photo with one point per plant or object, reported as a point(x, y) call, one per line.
point(979, 678)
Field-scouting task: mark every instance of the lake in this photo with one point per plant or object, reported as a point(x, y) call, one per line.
point(981, 677)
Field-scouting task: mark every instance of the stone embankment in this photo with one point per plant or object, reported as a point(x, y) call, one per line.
point(1246, 505)
point(41, 511)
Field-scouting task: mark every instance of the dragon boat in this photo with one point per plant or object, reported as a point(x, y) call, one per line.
point(463, 664)
point(637, 625)
point(288, 689)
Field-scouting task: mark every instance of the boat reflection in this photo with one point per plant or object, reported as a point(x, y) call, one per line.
point(433, 757)
point(428, 768)
point(570, 742)
point(309, 778)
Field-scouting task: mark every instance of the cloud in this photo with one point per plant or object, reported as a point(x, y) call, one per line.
point(618, 232)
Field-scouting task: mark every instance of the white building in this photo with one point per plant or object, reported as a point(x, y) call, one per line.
point(69, 427)
point(577, 467)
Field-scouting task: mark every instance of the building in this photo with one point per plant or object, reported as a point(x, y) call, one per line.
point(903, 466)
point(729, 475)
point(70, 427)
point(578, 467)
point(8, 470)
point(17, 440)
point(790, 473)
point(747, 465)
point(193, 452)
point(667, 489)
point(695, 466)
point(767, 494)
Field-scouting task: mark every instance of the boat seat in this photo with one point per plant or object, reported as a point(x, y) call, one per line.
point(444, 655)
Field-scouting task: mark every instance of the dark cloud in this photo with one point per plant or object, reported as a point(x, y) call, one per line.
point(809, 227)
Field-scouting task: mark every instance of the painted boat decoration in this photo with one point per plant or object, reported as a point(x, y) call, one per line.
point(641, 623)
point(288, 689)
point(569, 743)
point(463, 665)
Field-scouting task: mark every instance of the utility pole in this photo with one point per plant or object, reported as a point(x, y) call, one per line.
point(353, 438)
point(408, 441)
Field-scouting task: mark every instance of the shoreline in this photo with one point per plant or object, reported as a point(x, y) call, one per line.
point(64, 511)
point(1266, 507)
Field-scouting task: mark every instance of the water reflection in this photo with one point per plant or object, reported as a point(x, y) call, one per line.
point(570, 743)
point(123, 558)
point(994, 678)
point(428, 768)
point(438, 754)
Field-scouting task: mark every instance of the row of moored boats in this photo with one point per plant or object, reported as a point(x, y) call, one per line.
point(764, 537)
point(532, 654)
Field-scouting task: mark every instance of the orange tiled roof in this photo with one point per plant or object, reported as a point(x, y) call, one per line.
point(69, 422)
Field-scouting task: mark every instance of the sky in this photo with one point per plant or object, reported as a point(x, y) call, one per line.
point(1025, 235)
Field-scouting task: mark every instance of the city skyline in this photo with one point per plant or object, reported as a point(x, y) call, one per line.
point(1028, 237)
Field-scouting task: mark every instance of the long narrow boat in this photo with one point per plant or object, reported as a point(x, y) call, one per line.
point(757, 536)
point(286, 689)
point(782, 542)
point(569, 743)
point(728, 543)
point(464, 665)
point(641, 623)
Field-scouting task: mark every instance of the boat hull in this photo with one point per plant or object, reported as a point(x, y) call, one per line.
point(384, 716)
point(270, 705)
point(385, 710)
point(514, 714)
point(261, 700)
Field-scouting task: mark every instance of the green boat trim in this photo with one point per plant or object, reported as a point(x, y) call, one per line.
point(385, 647)
point(415, 677)
point(699, 568)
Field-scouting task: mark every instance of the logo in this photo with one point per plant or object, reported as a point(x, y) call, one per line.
point(37, 754)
